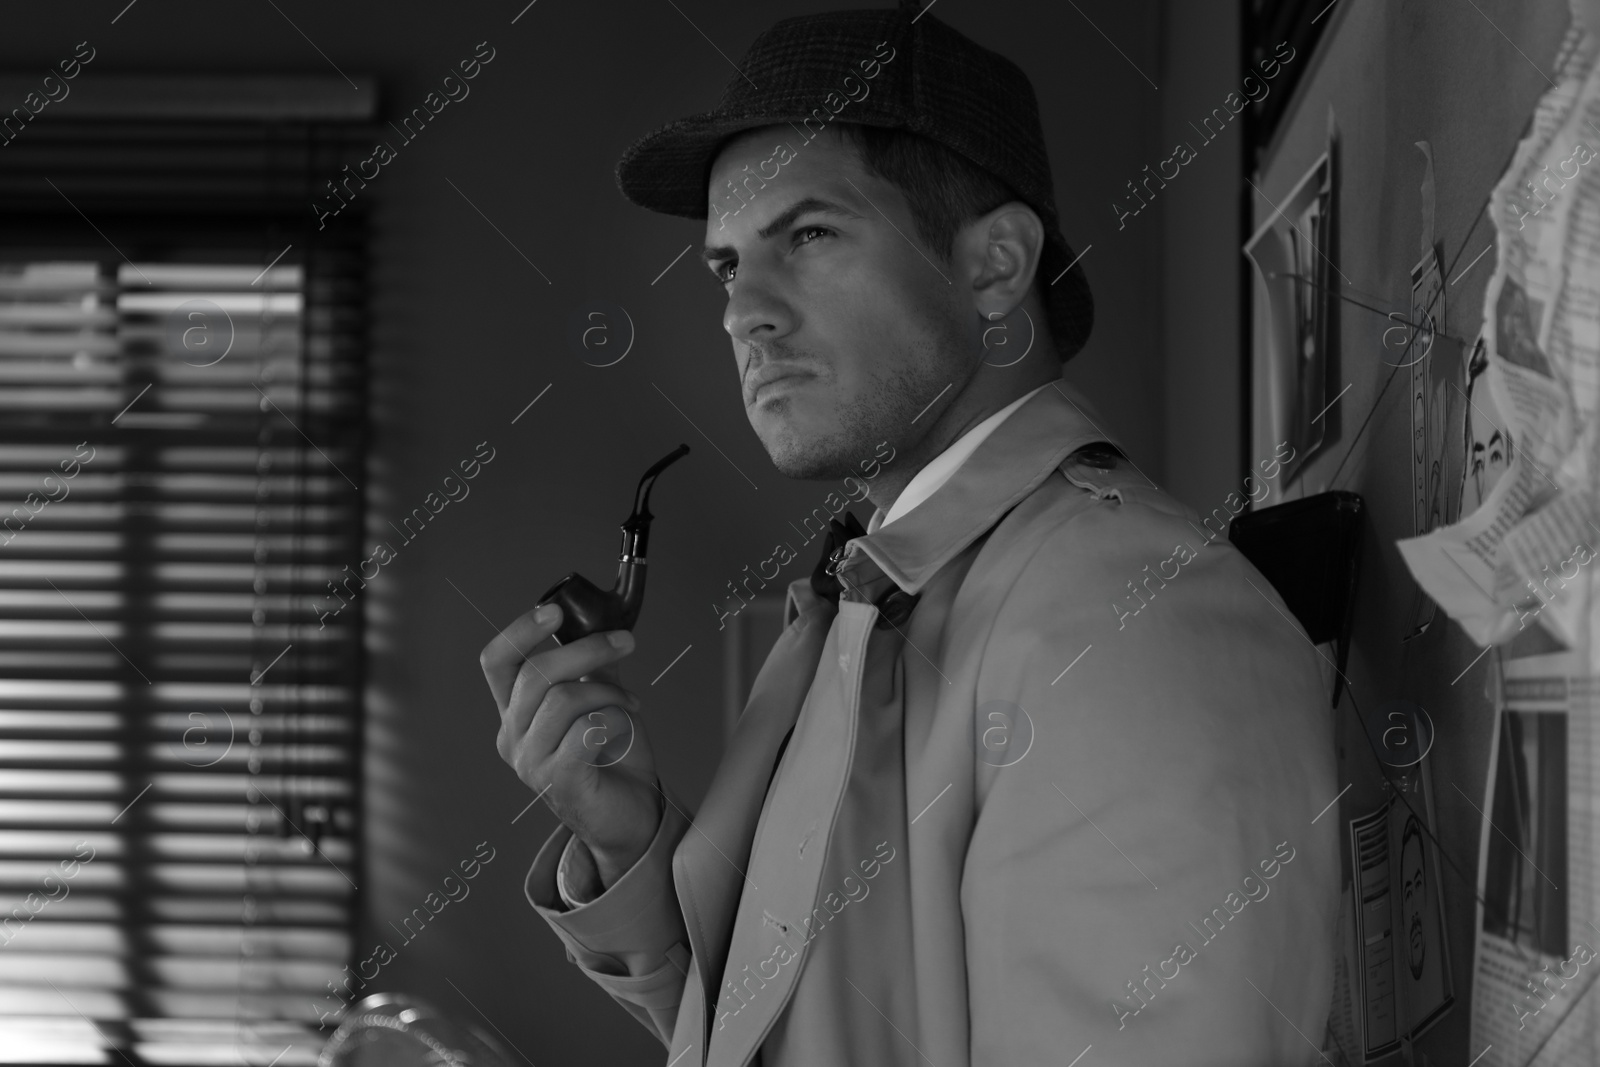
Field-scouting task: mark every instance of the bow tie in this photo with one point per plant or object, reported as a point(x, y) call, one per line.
point(893, 603)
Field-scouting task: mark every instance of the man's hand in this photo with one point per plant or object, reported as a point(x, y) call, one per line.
point(555, 735)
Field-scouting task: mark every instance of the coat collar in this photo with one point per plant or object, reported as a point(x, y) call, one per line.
point(1005, 468)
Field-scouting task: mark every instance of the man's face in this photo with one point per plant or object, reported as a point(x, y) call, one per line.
point(843, 330)
point(1488, 452)
point(1488, 460)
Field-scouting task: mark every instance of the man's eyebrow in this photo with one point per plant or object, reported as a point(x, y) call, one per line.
point(804, 206)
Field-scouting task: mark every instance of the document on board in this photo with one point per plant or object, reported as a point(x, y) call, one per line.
point(1397, 950)
point(1521, 557)
point(1462, 568)
point(1535, 964)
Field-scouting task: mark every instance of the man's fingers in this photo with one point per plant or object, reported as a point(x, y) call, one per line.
point(502, 659)
point(539, 731)
point(565, 663)
point(535, 702)
point(568, 662)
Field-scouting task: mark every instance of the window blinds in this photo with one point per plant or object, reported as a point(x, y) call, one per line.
point(182, 425)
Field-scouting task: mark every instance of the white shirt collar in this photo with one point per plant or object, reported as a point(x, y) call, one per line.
point(939, 469)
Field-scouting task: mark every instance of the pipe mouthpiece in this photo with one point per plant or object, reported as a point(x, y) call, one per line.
point(640, 519)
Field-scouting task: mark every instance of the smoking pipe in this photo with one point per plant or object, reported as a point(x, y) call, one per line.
point(587, 609)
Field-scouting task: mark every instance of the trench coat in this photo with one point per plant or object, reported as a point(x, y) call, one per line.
point(1067, 808)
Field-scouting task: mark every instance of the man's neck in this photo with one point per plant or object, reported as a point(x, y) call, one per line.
point(981, 398)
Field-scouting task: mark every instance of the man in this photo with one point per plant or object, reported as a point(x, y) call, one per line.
point(1023, 770)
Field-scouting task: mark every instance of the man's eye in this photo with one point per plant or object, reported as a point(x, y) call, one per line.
point(724, 271)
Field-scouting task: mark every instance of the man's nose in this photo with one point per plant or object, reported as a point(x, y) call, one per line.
point(756, 311)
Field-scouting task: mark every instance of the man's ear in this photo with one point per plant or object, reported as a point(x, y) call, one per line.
point(998, 254)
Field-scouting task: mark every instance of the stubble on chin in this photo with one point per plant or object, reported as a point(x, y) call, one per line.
point(856, 427)
point(884, 409)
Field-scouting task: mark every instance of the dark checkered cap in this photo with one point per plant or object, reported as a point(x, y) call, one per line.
point(934, 82)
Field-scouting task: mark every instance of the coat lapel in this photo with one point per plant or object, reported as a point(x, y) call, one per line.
point(709, 866)
point(803, 811)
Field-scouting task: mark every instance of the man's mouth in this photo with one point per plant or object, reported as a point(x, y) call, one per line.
point(777, 386)
point(773, 381)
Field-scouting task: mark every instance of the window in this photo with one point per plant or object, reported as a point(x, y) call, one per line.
point(182, 431)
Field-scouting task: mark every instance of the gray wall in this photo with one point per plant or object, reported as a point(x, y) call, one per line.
point(466, 332)
point(1394, 75)
point(1200, 262)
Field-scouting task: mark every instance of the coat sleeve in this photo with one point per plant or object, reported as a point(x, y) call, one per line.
point(1147, 878)
point(630, 940)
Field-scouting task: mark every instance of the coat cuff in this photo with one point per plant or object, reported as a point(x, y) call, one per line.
point(577, 876)
point(629, 929)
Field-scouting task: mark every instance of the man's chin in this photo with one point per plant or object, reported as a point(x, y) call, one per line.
point(804, 465)
point(800, 449)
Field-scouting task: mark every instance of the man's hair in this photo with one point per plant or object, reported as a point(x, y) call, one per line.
point(944, 189)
